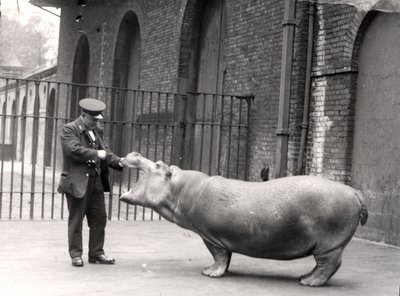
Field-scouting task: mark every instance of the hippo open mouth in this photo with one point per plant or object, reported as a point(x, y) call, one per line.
point(135, 195)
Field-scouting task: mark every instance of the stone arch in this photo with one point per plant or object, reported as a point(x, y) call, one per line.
point(126, 78)
point(80, 75)
point(375, 159)
point(201, 70)
point(197, 17)
point(360, 28)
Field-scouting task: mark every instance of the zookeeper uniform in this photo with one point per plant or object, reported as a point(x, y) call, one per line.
point(84, 179)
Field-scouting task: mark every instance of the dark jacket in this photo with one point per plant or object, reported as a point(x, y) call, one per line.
point(79, 158)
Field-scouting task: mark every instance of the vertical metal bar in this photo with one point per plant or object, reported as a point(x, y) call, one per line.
point(183, 123)
point(238, 140)
point(149, 126)
point(23, 132)
point(212, 132)
point(148, 143)
point(230, 137)
point(97, 93)
point(221, 122)
point(171, 156)
point(194, 106)
point(35, 128)
point(108, 129)
point(133, 126)
point(123, 99)
point(202, 131)
point(46, 120)
point(114, 98)
point(69, 93)
point(157, 126)
point(117, 125)
point(246, 167)
point(3, 141)
point(140, 134)
point(14, 135)
point(165, 130)
point(56, 119)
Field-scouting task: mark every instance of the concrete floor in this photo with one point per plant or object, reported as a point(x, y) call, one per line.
point(159, 258)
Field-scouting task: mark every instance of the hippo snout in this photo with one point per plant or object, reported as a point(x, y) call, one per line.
point(135, 160)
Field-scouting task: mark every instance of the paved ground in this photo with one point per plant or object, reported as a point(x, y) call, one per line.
point(158, 258)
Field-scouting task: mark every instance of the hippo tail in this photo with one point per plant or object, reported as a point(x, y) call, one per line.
point(364, 210)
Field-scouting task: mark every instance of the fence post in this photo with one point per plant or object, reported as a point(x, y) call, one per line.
point(35, 130)
point(180, 134)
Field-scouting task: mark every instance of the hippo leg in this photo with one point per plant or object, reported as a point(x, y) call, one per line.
point(327, 264)
point(222, 258)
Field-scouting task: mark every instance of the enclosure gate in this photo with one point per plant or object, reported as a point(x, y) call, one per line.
point(206, 132)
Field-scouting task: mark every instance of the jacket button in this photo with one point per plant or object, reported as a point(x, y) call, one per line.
point(87, 175)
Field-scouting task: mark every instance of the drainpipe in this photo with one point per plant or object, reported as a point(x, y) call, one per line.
point(282, 132)
point(307, 90)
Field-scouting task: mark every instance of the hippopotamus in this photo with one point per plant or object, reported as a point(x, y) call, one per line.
point(283, 219)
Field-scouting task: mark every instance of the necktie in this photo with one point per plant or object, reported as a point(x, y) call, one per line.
point(92, 136)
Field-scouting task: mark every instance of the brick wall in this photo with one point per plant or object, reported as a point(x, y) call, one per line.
point(252, 54)
point(251, 65)
point(330, 137)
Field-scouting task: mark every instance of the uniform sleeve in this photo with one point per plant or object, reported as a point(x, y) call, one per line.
point(111, 159)
point(72, 147)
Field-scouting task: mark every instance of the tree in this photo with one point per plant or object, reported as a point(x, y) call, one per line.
point(30, 43)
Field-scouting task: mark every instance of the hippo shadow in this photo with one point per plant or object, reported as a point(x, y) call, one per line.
point(275, 278)
point(253, 276)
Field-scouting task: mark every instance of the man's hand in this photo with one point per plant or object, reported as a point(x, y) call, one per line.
point(101, 154)
point(121, 162)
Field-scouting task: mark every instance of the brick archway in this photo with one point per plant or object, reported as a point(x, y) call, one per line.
point(126, 77)
point(375, 159)
point(80, 74)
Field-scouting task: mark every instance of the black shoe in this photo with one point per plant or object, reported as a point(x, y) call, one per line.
point(77, 261)
point(102, 259)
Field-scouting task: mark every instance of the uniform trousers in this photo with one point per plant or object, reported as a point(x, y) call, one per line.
point(92, 206)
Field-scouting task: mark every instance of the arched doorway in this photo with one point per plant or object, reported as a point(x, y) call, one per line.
point(80, 75)
point(126, 77)
point(203, 72)
point(376, 157)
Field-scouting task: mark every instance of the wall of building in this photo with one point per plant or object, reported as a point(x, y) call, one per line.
point(252, 61)
point(252, 55)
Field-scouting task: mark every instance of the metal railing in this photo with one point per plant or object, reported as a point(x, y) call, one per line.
point(207, 132)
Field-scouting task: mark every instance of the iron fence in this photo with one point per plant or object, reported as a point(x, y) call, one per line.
point(207, 132)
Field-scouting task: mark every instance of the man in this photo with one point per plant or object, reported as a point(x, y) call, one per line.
point(84, 179)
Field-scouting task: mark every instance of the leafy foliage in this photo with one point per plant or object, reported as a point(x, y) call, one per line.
point(32, 44)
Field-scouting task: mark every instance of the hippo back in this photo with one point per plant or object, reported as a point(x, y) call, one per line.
point(283, 218)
